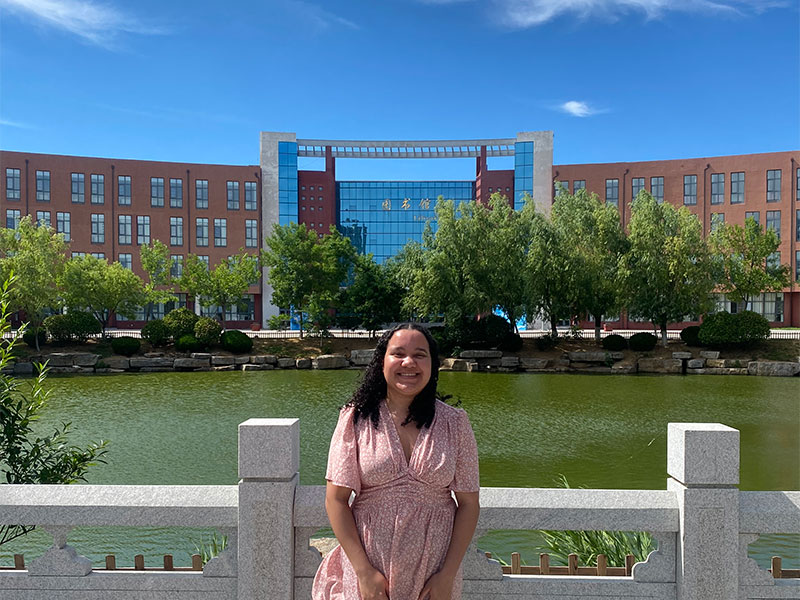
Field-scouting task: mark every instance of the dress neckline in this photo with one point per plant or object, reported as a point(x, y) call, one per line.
point(395, 434)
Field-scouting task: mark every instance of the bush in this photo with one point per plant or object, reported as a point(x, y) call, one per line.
point(29, 337)
point(614, 342)
point(125, 345)
point(742, 329)
point(512, 342)
point(188, 343)
point(236, 342)
point(642, 341)
point(488, 331)
point(180, 322)
point(74, 326)
point(207, 331)
point(691, 335)
point(546, 342)
point(156, 332)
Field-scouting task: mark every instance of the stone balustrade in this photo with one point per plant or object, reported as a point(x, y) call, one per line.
point(703, 525)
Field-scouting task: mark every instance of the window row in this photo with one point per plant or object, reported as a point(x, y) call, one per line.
point(773, 220)
point(97, 190)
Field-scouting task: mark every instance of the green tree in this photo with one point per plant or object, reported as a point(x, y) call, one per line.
point(223, 286)
point(592, 230)
point(25, 457)
point(103, 289)
point(306, 271)
point(741, 261)
point(156, 264)
point(36, 254)
point(666, 275)
point(372, 298)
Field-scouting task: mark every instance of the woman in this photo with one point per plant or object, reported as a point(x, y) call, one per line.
point(402, 451)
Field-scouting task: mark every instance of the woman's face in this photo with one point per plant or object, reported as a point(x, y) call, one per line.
point(406, 364)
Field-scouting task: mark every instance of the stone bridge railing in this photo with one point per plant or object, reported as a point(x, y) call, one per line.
point(702, 522)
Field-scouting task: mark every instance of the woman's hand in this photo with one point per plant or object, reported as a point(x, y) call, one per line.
point(438, 587)
point(373, 585)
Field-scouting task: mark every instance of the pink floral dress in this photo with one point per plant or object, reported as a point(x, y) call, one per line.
point(403, 510)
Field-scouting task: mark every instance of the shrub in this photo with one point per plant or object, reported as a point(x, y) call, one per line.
point(74, 326)
point(642, 341)
point(614, 342)
point(180, 322)
point(29, 337)
point(512, 342)
point(489, 331)
point(546, 342)
point(691, 335)
point(58, 328)
point(236, 342)
point(742, 329)
point(156, 332)
point(125, 345)
point(207, 331)
point(188, 343)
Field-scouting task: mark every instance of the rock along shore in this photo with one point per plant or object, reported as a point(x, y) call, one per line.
point(487, 361)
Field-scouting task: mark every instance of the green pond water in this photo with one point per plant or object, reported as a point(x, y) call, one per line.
point(598, 431)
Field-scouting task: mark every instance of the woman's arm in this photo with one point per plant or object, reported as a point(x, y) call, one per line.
point(372, 583)
point(440, 585)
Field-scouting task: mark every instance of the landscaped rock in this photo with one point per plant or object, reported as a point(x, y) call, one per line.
point(249, 367)
point(726, 363)
point(85, 359)
point(488, 364)
point(205, 355)
point(558, 363)
point(660, 365)
point(116, 362)
point(594, 357)
point(682, 355)
point(696, 363)
point(532, 364)
point(225, 368)
point(264, 359)
point(623, 369)
point(302, 363)
point(84, 370)
point(481, 354)
point(509, 362)
point(23, 368)
point(62, 370)
point(361, 358)
point(190, 363)
point(330, 361)
point(473, 367)
point(453, 364)
point(709, 353)
point(219, 360)
point(241, 360)
point(155, 369)
point(153, 354)
point(774, 368)
point(59, 359)
point(162, 362)
point(717, 371)
point(286, 363)
point(592, 369)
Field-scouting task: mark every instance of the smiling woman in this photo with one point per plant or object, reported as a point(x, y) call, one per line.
point(404, 453)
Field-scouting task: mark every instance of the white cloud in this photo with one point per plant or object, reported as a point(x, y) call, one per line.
point(530, 13)
point(319, 17)
point(94, 22)
point(577, 108)
point(17, 124)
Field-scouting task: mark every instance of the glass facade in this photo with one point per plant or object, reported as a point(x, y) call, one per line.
point(287, 182)
point(382, 216)
point(523, 172)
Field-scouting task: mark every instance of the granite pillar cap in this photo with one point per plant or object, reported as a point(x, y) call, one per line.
point(269, 449)
point(703, 454)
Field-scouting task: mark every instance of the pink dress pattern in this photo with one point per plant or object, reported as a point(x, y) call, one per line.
point(403, 509)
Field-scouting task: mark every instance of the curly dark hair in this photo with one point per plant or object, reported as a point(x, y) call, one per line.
point(372, 389)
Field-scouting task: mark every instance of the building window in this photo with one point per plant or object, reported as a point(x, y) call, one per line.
point(690, 189)
point(98, 229)
point(717, 188)
point(13, 184)
point(773, 185)
point(737, 188)
point(774, 261)
point(220, 232)
point(203, 258)
point(143, 229)
point(233, 195)
point(250, 197)
point(98, 189)
point(176, 266)
point(251, 233)
point(43, 186)
point(797, 265)
point(78, 188)
point(99, 255)
point(176, 193)
point(201, 229)
point(124, 230)
point(657, 188)
point(43, 218)
point(612, 192)
point(156, 191)
point(176, 231)
point(769, 305)
point(559, 187)
point(201, 193)
point(717, 220)
point(63, 225)
point(755, 215)
point(637, 185)
point(797, 183)
point(126, 260)
point(774, 221)
point(797, 225)
point(124, 190)
point(578, 184)
point(78, 254)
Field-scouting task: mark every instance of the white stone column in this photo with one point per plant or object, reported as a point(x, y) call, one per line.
point(269, 463)
point(703, 465)
point(542, 168)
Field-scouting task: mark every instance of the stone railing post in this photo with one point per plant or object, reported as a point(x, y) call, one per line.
point(269, 464)
point(703, 468)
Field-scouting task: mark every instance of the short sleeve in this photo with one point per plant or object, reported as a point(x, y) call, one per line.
point(343, 454)
point(466, 478)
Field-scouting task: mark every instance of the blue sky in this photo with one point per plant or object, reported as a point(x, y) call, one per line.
point(196, 81)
